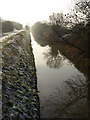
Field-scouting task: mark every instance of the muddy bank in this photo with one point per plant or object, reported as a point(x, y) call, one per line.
point(19, 81)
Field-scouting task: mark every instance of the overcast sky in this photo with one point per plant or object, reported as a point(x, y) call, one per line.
point(31, 11)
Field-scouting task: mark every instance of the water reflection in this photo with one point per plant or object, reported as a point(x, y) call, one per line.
point(70, 100)
point(64, 61)
point(53, 58)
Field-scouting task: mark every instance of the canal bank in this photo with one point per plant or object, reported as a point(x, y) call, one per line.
point(19, 81)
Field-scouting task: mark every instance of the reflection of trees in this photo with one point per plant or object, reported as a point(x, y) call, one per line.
point(54, 58)
point(38, 38)
point(71, 101)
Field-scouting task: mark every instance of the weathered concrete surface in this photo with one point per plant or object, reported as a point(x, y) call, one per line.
point(19, 81)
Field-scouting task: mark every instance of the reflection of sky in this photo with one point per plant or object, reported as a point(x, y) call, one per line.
point(49, 79)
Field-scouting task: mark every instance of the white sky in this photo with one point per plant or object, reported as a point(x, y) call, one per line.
point(31, 11)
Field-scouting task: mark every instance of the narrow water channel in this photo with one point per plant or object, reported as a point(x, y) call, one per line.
point(53, 70)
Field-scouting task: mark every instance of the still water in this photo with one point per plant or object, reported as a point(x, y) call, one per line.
point(53, 70)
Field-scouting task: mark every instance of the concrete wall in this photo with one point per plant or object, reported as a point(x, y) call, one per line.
point(19, 81)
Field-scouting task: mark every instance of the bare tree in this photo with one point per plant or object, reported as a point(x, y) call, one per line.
point(79, 14)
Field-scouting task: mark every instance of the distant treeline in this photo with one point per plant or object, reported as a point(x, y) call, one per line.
point(8, 26)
